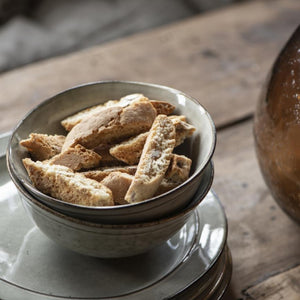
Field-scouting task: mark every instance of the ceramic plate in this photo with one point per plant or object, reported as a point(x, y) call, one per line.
point(194, 261)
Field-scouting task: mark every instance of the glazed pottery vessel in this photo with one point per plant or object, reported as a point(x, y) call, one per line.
point(277, 128)
point(110, 240)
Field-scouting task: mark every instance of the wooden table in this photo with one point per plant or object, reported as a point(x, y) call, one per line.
point(222, 59)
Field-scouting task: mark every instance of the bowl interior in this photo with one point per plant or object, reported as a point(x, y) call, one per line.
point(46, 118)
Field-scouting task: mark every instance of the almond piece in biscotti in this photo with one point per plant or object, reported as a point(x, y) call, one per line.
point(62, 183)
point(43, 146)
point(118, 183)
point(69, 122)
point(112, 124)
point(77, 158)
point(101, 173)
point(130, 150)
point(154, 160)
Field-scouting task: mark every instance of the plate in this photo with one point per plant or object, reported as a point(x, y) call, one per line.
point(194, 262)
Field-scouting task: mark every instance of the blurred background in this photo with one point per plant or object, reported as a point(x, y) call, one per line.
point(31, 30)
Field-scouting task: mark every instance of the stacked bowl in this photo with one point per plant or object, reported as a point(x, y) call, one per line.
point(121, 230)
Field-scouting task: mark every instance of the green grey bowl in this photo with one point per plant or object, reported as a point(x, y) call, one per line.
point(46, 117)
point(110, 240)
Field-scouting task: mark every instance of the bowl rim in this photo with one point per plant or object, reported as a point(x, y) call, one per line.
point(197, 172)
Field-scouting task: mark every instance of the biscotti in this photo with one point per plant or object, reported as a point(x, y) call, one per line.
point(130, 150)
point(111, 125)
point(77, 158)
point(69, 122)
point(161, 107)
point(179, 168)
point(100, 174)
point(183, 129)
point(62, 183)
point(73, 120)
point(118, 183)
point(154, 160)
point(177, 173)
point(43, 146)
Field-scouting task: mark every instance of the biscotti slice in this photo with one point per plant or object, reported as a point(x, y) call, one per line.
point(77, 158)
point(162, 107)
point(62, 183)
point(111, 125)
point(130, 150)
point(154, 160)
point(118, 183)
point(43, 146)
point(183, 129)
point(177, 173)
point(75, 119)
point(179, 168)
point(100, 174)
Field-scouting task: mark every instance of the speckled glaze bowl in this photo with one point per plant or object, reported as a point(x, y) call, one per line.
point(46, 117)
point(106, 240)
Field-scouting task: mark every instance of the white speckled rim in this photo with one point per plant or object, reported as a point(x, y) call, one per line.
point(13, 172)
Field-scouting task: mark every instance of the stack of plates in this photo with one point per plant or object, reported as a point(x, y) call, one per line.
point(194, 263)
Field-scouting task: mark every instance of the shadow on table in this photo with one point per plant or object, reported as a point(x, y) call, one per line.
point(230, 294)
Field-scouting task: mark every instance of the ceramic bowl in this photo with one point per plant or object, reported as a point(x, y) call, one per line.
point(46, 117)
point(109, 240)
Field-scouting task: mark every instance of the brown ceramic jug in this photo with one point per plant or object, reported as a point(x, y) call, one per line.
point(277, 128)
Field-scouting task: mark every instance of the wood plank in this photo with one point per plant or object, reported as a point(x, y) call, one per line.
point(221, 58)
point(263, 240)
point(282, 286)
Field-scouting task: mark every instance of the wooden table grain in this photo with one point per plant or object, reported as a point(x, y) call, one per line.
point(222, 59)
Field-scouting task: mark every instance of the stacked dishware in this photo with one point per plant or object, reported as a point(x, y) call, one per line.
point(177, 240)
